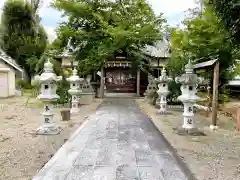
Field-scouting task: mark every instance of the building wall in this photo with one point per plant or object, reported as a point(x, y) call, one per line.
point(3, 84)
point(10, 78)
point(66, 62)
point(11, 82)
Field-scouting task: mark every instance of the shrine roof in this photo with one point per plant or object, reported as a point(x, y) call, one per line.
point(10, 61)
point(158, 49)
point(204, 64)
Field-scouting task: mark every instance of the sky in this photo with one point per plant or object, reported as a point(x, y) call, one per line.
point(173, 11)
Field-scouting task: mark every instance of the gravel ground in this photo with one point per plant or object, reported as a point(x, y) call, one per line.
point(212, 157)
point(23, 154)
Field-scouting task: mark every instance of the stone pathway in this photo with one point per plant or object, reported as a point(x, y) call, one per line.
point(117, 143)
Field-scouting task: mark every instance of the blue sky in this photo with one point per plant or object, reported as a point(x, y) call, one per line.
point(173, 11)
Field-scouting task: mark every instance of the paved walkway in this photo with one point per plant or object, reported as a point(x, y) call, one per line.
point(117, 143)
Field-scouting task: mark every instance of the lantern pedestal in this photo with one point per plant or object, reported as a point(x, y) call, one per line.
point(212, 127)
point(188, 116)
point(189, 132)
point(48, 128)
point(163, 106)
point(75, 104)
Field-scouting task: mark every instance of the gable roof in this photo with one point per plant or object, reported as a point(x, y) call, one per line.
point(10, 61)
point(205, 64)
point(159, 49)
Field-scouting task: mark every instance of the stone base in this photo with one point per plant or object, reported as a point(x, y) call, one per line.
point(163, 113)
point(48, 129)
point(189, 132)
point(213, 128)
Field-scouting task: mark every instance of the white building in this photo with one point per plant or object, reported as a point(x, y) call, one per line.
point(9, 70)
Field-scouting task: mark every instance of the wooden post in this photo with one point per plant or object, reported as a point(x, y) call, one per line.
point(215, 94)
point(209, 99)
point(138, 82)
point(102, 83)
point(94, 76)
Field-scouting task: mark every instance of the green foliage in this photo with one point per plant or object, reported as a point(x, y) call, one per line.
point(179, 48)
point(101, 29)
point(19, 37)
point(175, 91)
point(62, 91)
point(223, 96)
point(228, 10)
point(23, 84)
point(203, 39)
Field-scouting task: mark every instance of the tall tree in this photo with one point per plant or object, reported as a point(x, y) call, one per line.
point(99, 29)
point(228, 10)
point(19, 37)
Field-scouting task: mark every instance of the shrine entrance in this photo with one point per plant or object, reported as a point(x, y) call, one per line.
point(120, 80)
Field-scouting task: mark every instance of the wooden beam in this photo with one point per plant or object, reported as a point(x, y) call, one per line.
point(215, 93)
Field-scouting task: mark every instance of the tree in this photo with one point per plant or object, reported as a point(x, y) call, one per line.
point(228, 11)
point(100, 29)
point(203, 39)
point(19, 37)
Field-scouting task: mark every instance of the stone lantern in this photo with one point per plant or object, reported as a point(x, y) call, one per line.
point(163, 91)
point(188, 83)
point(151, 89)
point(75, 90)
point(48, 86)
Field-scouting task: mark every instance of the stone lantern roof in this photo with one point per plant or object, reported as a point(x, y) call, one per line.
point(48, 74)
point(163, 78)
point(68, 52)
point(189, 77)
point(75, 77)
point(160, 49)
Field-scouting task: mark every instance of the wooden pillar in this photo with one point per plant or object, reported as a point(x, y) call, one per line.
point(138, 82)
point(215, 94)
point(102, 84)
point(94, 76)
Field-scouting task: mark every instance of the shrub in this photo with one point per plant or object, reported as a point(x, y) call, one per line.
point(20, 83)
point(62, 91)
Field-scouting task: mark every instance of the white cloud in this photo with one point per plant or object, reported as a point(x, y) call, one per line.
point(173, 10)
point(169, 7)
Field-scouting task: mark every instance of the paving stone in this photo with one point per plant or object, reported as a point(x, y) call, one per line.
point(145, 158)
point(117, 143)
point(80, 172)
point(150, 173)
point(87, 157)
point(170, 175)
point(166, 161)
point(157, 146)
point(126, 172)
point(125, 157)
point(106, 156)
point(104, 173)
point(140, 146)
point(112, 134)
